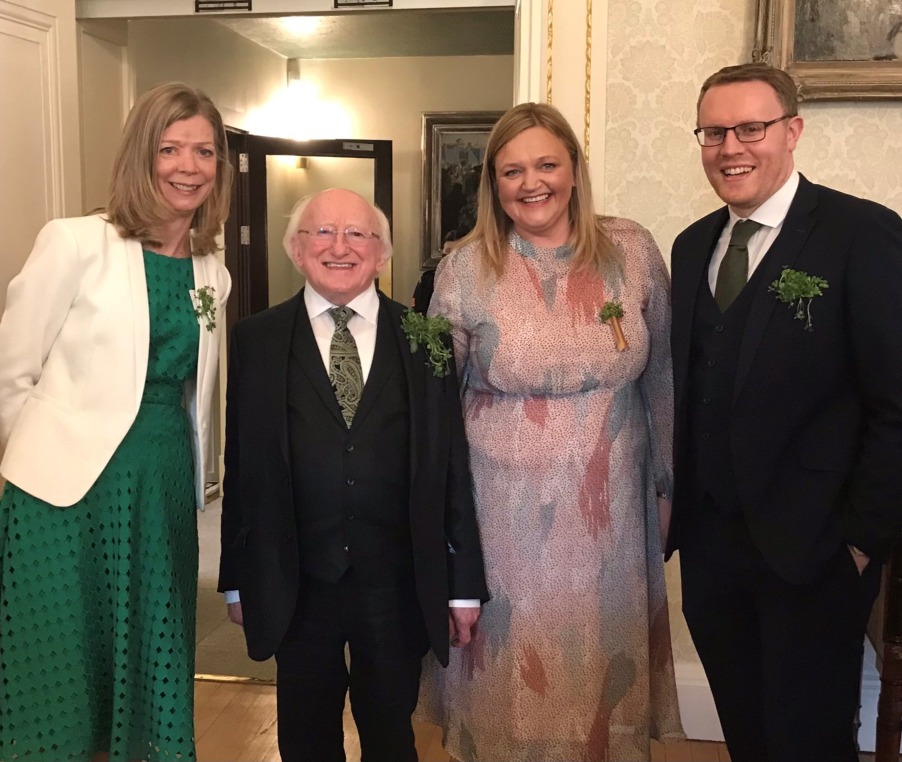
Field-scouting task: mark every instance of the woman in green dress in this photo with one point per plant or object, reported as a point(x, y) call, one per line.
point(109, 348)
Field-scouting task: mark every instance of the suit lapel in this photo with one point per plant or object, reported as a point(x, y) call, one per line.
point(418, 386)
point(381, 369)
point(305, 354)
point(691, 274)
point(782, 253)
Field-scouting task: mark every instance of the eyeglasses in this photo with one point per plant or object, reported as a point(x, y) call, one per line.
point(749, 132)
point(354, 237)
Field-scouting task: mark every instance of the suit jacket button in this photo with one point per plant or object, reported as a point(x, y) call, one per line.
point(349, 448)
point(712, 363)
point(706, 435)
point(718, 328)
point(350, 482)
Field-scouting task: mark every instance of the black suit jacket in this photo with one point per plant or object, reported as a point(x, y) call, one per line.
point(816, 422)
point(260, 555)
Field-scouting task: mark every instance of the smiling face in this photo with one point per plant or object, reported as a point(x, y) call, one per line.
point(745, 175)
point(338, 269)
point(534, 177)
point(186, 164)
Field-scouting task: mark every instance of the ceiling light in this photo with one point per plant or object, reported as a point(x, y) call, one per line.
point(302, 26)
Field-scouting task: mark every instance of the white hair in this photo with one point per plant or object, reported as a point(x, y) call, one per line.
point(294, 219)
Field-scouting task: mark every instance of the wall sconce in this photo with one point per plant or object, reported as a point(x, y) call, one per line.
point(302, 162)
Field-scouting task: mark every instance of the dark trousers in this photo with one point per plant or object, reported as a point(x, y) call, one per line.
point(386, 639)
point(783, 661)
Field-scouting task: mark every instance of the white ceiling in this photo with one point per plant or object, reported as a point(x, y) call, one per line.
point(385, 33)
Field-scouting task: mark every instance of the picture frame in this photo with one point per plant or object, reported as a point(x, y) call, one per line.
point(834, 51)
point(453, 150)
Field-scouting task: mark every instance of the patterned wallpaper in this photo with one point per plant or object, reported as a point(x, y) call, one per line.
point(659, 52)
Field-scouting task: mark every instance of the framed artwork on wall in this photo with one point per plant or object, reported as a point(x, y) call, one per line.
point(849, 50)
point(453, 150)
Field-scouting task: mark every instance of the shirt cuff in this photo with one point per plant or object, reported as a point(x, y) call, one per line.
point(232, 596)
point(464, 603)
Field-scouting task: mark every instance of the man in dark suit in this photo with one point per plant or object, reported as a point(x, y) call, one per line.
point(348, 515)
point(787, 354)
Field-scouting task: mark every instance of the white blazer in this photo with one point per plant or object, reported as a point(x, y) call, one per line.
point(74, 341)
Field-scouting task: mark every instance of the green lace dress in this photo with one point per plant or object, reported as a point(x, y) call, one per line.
point(97, 600)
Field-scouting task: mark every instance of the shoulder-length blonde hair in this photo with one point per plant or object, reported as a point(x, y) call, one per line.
point(592, 249)
point(135, 206)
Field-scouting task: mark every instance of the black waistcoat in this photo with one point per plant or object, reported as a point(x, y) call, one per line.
point(351, 486)
point(713, 359)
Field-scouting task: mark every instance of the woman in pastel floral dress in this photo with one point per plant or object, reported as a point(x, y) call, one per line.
point(570, 442)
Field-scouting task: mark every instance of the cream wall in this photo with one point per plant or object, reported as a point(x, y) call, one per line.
point(239, 75)
point(386, 98)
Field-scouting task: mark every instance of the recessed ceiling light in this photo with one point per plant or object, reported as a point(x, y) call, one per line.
point(301, 25)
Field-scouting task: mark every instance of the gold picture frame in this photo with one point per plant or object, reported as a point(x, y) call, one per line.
point(800, 36)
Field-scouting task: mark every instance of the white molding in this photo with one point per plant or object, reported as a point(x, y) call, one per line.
point(529, 51)
point(105, 9)
point(41, 24)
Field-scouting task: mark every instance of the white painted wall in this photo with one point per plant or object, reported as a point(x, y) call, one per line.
point(239, 75)
point(105, 94)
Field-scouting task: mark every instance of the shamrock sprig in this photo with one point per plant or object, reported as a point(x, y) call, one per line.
point(428, 332)
point(611, 312)
point(797, 289)
point(204, 301)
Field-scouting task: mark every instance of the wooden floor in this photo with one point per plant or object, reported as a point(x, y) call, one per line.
point(237, 722)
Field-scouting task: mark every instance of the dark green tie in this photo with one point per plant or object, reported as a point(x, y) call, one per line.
point(734, 270)
point(345, 371)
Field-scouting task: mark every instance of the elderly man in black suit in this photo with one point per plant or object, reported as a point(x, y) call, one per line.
point(787, 354)
point(347, 505)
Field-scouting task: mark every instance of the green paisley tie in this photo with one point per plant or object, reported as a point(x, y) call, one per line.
point(345, 371)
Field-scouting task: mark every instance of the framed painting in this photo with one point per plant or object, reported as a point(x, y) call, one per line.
point(850, 50)
point(453, 151)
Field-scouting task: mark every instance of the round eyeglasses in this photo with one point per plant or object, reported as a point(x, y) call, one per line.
point(329, 234)
point(747, 132)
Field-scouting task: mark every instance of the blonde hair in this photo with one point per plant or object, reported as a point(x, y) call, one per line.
point(593, 251)
point(135, 206)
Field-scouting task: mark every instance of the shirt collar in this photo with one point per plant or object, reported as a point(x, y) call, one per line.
point(366, 305)
point(773, 211)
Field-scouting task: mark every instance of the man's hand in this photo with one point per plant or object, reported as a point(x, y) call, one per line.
point(235, 614)
point(462, 624)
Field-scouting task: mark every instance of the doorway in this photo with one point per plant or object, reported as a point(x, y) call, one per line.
point(271, 175)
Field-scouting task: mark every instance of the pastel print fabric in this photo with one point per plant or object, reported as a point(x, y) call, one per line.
point(569, 440)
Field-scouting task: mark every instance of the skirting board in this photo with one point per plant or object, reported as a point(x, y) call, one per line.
point(700, 717)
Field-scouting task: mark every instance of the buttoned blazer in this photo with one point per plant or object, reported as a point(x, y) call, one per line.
point(260, 554)
point(74, 342)
point(815, 428)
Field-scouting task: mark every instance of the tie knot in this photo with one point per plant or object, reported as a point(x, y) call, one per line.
point(743, 231)
point(341, 316)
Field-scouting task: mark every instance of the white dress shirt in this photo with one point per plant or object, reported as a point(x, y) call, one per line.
point(771, 215)
point(362, 324)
